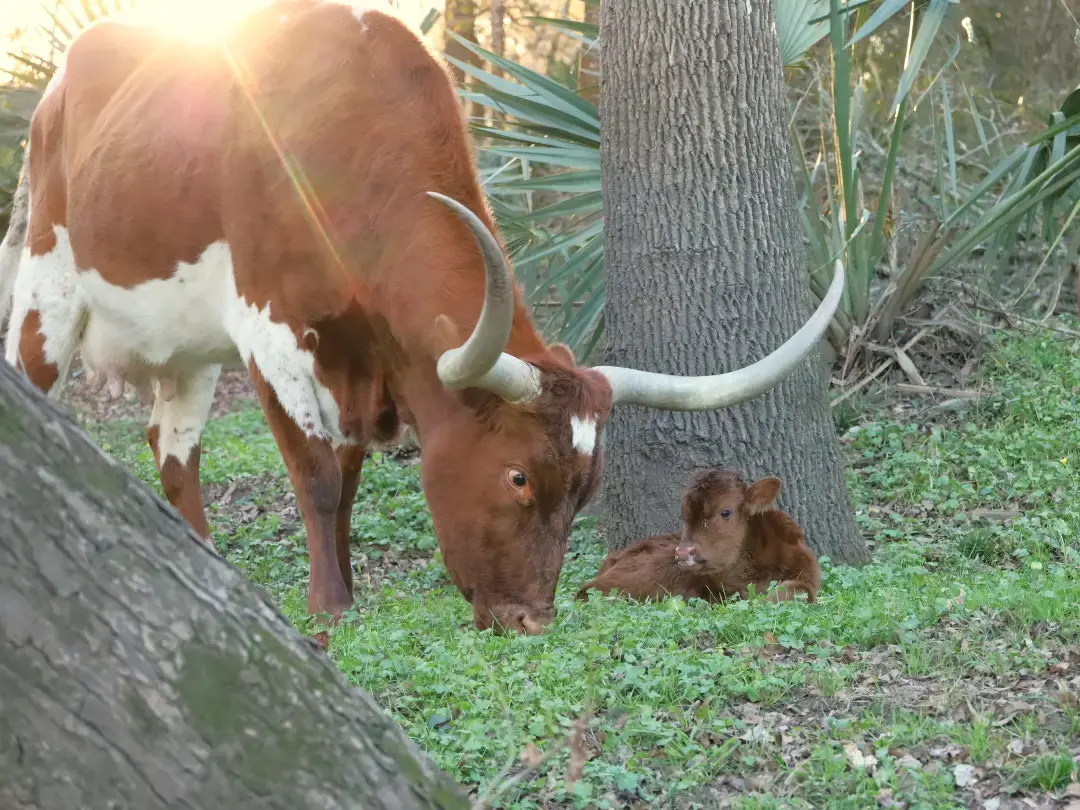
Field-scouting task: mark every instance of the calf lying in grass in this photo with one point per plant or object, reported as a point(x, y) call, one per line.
point(733, 536)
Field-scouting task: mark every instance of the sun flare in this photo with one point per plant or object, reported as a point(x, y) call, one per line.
point(211, 20)
point(197, 20)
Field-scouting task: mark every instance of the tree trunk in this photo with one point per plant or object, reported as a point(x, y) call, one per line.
point(139, 671)
point(706, 269)
point(589, 60)
point(460, 17)
point(498, 32)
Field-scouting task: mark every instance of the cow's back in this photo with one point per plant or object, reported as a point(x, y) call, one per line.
point(142, 121)
point(97, 63)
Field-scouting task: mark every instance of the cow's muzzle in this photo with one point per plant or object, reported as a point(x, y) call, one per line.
point(523, 619)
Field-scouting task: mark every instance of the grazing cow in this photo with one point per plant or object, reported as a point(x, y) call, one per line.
point(303, 200)
point(733, 536)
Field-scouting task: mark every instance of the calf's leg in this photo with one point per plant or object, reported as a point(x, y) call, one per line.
point(175, 435)
point(787, 590)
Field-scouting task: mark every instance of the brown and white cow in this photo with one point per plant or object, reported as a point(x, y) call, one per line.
point(303, 199)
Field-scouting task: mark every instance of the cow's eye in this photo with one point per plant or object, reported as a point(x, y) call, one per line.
point(725, 513)
point(517, 478)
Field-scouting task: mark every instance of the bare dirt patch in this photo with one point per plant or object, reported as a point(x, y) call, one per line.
point(1031, 710)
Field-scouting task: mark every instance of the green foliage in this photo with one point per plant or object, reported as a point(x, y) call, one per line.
point(923, 660)
point(545, 122)
point(838, 229)
point(1043, 172)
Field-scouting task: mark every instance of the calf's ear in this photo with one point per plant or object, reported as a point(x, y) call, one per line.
point(761, 495)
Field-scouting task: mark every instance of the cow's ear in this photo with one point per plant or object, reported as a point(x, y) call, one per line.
point(445, 335)
point(761, 495)
point(563, 354)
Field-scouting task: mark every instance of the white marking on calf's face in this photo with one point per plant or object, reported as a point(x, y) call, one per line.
point(583, 434)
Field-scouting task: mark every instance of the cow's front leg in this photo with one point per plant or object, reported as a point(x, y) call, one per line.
point(317, 480)
point(351, 460)
point(175, 436)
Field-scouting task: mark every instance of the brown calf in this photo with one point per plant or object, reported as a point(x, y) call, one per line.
point(733, 536)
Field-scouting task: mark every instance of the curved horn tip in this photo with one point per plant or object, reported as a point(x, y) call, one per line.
point(449, 202)
point(670, 392)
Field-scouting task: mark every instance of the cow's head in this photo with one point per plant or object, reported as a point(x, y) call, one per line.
point(506, 473)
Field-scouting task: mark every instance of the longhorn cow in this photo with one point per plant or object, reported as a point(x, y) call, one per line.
point(303, 200)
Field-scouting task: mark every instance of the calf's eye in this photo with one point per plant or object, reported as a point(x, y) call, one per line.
point(725, 513)
point(517, 478)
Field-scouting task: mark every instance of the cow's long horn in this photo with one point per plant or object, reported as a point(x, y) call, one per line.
point(671, 393)
point(481, 361)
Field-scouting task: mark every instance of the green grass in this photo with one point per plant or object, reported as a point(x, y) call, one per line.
point(947, 666)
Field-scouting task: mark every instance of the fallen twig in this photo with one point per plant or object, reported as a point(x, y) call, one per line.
point(881, 368)
point(955, 393)
point(908, 365)
point(1001, 515)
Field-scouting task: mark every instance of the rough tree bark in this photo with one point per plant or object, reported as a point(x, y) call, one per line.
point(706, 269)
point(139, 671)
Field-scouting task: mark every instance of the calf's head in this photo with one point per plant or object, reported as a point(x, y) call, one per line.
point(716, 514)
point(517, 454)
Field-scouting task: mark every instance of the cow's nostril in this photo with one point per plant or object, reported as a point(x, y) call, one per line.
point(535, 626)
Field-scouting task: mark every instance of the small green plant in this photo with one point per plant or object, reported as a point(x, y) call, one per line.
point(840, 228)
point(1049, 772)
point(990, 544)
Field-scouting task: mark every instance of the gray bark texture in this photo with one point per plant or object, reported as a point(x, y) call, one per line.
point(705, 265)
point(138, 670)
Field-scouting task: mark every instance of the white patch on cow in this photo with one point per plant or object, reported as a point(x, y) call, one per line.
point(49, 285)
point(287, 368)
point(583, 434)
point(179, 322)
point(181, 420)
point(171, 327)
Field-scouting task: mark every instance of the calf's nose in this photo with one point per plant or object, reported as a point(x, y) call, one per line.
point(685, 552)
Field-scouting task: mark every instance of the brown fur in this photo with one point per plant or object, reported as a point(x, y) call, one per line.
point(754, 545)
point(308, 145)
